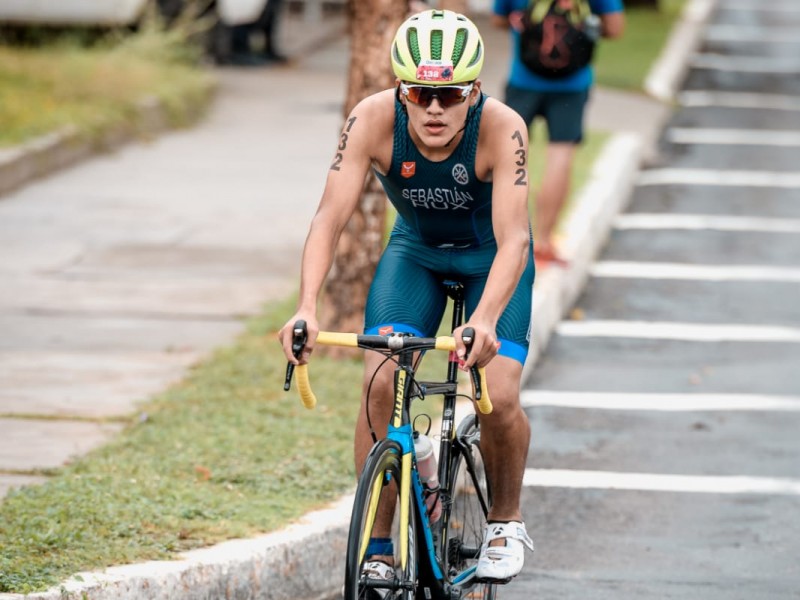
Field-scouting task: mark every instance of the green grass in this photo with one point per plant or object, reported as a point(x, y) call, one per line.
point(97, 87)
point(625, 62)
point(225, 454)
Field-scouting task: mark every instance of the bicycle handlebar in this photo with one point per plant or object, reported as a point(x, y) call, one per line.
point(379, 342)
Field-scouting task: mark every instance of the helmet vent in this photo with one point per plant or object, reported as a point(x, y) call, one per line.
point(459, 45)
point(436, 44)
point(477, 56)
point(396, 54)
point(413, 45)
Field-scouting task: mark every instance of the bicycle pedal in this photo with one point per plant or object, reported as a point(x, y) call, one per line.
point(491, 581)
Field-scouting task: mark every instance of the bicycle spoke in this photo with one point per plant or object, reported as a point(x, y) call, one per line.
point(468, 507)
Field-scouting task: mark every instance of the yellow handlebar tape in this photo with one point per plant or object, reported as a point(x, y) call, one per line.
point(334, 338)
point(446, 342)
point(304, 387)
point(485, 403)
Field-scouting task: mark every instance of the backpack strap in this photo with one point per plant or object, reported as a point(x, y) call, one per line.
point(579, 12)
point(539, 9)
point(583, 10)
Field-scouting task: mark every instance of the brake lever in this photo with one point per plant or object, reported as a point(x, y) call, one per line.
point(468, 336)
point(299, 339)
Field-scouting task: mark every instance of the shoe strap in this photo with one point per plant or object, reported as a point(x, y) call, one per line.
point(377, 569)
point(514, 530)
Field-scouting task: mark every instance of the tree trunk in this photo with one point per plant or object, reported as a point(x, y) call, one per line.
point(373, 24)
point(459, 6)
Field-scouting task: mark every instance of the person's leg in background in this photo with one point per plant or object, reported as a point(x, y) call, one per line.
point(268, 24)
point(550, 199)
point(563, 113)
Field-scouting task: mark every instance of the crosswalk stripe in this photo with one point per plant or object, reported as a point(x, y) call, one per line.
point(757, 6)
point(692, 332)
point(735, 33)
point(745, 64)
point(708, 484)
point(719, 177)
point(659, 270)
point(732, 137)
point(706, 222)
point(706, 98)
point(659, 402)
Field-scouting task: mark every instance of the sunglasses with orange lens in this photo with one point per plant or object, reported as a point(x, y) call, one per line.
point(448, 95)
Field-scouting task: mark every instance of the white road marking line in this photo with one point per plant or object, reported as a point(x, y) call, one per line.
point(705, 222)
point(745, 64)
point(705, 98)
point(659, 402)
point(769, 179)
point(690, 332)
point(704, 484)
point(764, 35)
point(655, 270)
point(749, 137)
point(759, 7)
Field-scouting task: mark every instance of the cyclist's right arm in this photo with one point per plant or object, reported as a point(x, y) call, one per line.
point(354, 153)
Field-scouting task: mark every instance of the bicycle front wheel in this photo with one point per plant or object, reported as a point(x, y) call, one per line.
point(379, 516)
point(469, 506)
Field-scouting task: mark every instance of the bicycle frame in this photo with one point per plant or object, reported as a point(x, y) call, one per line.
point(400, 433)
point(400, 430)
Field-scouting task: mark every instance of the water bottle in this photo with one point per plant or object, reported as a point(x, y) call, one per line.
point(428, 474)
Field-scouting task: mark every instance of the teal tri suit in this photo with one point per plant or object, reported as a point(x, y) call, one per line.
point(443, 232)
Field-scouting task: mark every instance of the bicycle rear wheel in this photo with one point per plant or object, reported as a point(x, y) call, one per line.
point(469, 506)
point(378, 493)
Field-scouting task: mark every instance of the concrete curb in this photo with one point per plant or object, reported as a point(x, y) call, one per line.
point(301, 562)
point(53, 151)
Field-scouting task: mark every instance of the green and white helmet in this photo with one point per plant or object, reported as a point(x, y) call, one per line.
point(437, 47)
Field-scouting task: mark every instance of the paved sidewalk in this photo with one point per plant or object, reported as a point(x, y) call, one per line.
point(125, 269)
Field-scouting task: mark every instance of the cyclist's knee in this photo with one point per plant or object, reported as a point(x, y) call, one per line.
point(503, 381)
point(378, 377)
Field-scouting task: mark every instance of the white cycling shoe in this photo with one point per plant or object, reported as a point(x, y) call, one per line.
point(500, 563)
point(379, 570)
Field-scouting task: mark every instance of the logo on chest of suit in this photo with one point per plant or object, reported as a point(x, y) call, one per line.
point(408, 169)
point(460, 174)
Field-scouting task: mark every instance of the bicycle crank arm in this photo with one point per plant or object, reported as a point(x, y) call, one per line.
point(380, 584)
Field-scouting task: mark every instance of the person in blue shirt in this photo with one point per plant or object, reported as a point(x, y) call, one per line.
point(561, 103)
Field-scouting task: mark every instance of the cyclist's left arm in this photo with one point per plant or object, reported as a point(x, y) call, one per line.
point(504, 150)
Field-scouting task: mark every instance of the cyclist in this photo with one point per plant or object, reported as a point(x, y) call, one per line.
point(453, 163)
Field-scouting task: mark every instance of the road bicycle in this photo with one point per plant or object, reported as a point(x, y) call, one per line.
point(431, 560)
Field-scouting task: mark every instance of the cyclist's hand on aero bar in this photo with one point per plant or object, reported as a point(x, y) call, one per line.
point(484, 346)
point(287, 335)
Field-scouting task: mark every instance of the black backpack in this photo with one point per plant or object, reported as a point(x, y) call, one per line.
point(556, 42)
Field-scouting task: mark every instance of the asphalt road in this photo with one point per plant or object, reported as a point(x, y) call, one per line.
point(665, 412)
